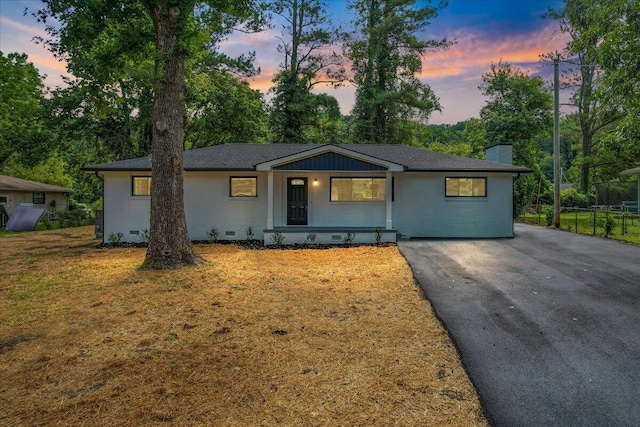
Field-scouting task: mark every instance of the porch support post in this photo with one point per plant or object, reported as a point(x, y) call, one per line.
point(270, 200)
point(389, 183)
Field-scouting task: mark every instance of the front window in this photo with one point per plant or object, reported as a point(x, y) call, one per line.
point(358, 189)
point(466, 187)
point(38, 198)
point(243, 186)
point(141, 186)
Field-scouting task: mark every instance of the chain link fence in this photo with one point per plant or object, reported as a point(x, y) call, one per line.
point(614, 214)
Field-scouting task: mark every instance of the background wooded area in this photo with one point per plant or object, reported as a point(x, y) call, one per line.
point(104, 112)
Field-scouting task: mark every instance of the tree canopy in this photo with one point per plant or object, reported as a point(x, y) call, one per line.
point(110, 109)
point(109, 45)
point(518, 111)
point(583, 77)
point(23, 132)
point(386, 56)
point(306, 43)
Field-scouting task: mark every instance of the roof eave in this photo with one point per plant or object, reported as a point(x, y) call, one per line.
point(512, 171)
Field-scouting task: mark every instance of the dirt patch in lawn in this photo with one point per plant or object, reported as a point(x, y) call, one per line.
point(309, 337)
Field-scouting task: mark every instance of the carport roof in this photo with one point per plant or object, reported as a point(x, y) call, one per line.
point(245, 157)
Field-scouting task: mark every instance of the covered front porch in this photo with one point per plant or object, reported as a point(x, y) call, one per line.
point(329, 196)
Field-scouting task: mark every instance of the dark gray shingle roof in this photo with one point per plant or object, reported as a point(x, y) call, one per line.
point(237, 157)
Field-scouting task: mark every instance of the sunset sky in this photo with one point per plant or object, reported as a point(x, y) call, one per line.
point(485, 31)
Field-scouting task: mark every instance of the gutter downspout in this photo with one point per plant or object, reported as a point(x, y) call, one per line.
point(514, 207)
point(96, 226)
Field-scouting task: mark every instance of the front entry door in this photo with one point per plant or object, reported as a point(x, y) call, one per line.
point(296, 201)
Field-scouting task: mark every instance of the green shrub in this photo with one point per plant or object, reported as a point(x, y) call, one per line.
point(609, 225)
point(348, 239)
point(45, 221)
point(378, 235)
point(572, 198)
point(62, 219)
point(115, 239)
point(214, 234)
point(548, 215)
point(277, 238)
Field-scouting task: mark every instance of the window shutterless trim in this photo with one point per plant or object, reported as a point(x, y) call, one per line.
point(133, 185)
point(484, 178)
point(38, 197)
point(384, 187)
point(255, 184)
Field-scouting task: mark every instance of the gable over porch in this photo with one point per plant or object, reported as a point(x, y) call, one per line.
point(330, 192)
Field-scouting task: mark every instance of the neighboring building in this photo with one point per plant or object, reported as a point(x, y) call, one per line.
point(14, 191)
point(384, 191)
point(628, 205)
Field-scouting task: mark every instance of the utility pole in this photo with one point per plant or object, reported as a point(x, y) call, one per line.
point(556, 143)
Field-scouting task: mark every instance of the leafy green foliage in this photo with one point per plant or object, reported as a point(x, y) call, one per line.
point(292, 109)
point(213, 234)
point(583, 77)
point(574, 199)
point(108, 48)
point(386, 57)
point(23, 130)
point(615, 25)
point(307, 37)
point(548, 215)
point(327, 125)
point(50, 171)
point(517, 112)
point(277, 239)
point(223, 109)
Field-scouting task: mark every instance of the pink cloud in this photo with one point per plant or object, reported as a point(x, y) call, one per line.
point(17, 36)
point(24, 30)
point(474, 52)
point(453, 74)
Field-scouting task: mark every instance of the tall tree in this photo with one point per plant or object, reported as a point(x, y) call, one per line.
point(517, 112)
point(169, 244)
point(306, 40)
point(583, 77)
point(223, 109)
point(386, 57)
point(108, 49)
point(614, 28)
point(171, 33)
point(23, 129)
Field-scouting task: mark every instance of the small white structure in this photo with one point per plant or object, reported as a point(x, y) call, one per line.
point(328, 192)
point(634, 172)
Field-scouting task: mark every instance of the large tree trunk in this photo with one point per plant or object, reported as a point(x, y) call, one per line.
point(169, 244)
point(584, 167)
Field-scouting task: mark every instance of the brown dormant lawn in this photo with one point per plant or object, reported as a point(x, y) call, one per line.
point(333, 337)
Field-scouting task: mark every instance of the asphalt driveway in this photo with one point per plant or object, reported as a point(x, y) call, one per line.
point(547, 323)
